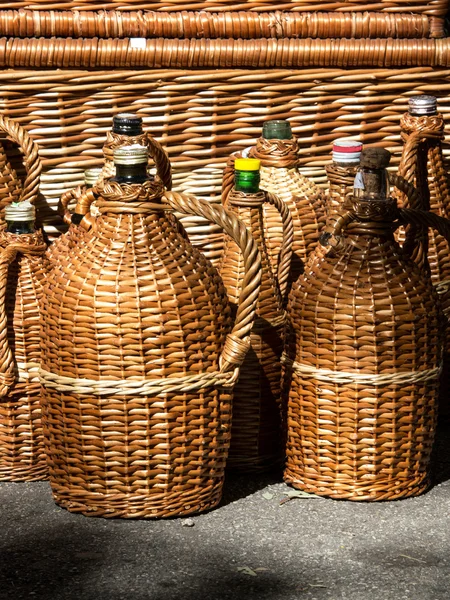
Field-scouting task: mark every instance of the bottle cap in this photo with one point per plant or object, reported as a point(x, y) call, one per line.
point(375, 158)
point(247, 164)
point(91, 176)
point(130, 155)
point(422, 105)
point(127, 124)
point(347, 151)
point(20, 211)
point(277, 130)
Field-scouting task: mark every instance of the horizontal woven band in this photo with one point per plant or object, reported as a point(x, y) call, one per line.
point(140, 387)
point(28, 372)
point(329, 376)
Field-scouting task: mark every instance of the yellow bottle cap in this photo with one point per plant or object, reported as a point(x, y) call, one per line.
point(247, 164)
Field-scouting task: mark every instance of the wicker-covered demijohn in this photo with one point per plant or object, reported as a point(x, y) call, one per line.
point(22, 455)
point(139, 359)
point(256, 439)
point(364, 359)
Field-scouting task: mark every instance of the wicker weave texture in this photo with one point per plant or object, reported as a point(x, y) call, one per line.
point(227, 25)
point(206, 115)
point(216, 53)
point(137, 385)
point(434, 7)
point(367, 352)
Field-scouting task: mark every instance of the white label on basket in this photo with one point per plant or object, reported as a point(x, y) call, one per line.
point(138, 43)
point(359, 182)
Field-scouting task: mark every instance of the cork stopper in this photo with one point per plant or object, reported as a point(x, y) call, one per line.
point(20, 211)
point(277, 130)
point(130, 155)
point(375, 158)
point(127, 124)
point(422, 105)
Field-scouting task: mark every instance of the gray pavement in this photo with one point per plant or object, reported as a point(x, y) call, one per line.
point(251, 547)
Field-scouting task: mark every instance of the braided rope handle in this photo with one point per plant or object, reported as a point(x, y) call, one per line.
point(285, 253)
point(423, 218)
point(30, 152)
point(237, 342)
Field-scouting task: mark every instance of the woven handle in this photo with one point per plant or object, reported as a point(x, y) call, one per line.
point(285, 254)
point(237, 342)
point(84, 201)
point(29, 149)
point(161, 160)
point(7, 256)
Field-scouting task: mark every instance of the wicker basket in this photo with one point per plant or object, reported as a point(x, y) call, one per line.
point(363, 364)
point(142, 385)
point(22, 455)
point(433, 7)
point(256, 436)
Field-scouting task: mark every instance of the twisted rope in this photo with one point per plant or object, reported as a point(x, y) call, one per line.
point(373, 379)
point(30, 152)
point(237, 342)
point(125, 198)
point(142, 387)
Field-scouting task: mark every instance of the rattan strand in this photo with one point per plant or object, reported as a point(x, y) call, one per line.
point(227, 25)
point(261, 53)
point(147, 307)
point(367, 347)
point(433, 7)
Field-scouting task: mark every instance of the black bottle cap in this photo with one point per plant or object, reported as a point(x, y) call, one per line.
point(127, 124)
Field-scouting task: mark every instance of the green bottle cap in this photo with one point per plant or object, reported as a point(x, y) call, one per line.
point(277, 130)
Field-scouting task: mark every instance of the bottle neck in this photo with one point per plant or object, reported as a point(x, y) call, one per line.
point(247, 181)
point(136, 173)
point(20, 227)
point(372, 184)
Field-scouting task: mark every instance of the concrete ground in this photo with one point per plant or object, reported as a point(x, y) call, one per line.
point(255, 546)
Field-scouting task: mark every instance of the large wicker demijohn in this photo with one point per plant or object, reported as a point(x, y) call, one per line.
point(22, 455)
point(256, 440)
point(140, 355)
point(364, 358)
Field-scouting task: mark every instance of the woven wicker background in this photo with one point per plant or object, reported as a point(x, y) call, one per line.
point(434, 7)
point(202, 116)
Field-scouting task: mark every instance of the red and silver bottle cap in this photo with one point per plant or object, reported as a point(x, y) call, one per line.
point(347, 151)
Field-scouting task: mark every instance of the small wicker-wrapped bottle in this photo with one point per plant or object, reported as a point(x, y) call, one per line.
point(140, 355)
point(277, 149)
point(341, 173)
point(364, 357)
point(256, 440)
point(22, 456)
